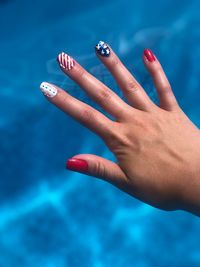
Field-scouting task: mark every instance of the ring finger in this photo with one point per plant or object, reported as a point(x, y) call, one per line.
point(99, 92)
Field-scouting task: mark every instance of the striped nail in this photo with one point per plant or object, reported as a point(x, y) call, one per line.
point(65, 61)
point(102, 49)
point(48, 89)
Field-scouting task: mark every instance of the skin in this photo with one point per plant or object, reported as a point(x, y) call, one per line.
point(157, 148)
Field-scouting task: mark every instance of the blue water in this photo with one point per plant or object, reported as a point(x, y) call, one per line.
point(52, 217)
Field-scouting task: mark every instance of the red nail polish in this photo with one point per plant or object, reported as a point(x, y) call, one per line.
point(149, 55)
point(78, 165)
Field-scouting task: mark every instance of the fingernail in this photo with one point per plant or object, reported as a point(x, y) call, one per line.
point(149, 55)
point(102, 49)
point(48, 89)
point(65, 61)
point(78, 165)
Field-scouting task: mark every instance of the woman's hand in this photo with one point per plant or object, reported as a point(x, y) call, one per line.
point(157, 147)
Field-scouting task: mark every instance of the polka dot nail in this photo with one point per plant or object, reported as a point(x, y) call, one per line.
point(48, 89)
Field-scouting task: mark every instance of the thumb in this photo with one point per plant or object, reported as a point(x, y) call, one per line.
point(99, 167)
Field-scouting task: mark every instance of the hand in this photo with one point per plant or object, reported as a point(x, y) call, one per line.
point(157, 147)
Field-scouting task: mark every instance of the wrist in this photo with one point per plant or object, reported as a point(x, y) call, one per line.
point(190, 196)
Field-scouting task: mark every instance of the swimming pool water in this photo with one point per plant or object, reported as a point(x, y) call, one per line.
point(52, 217)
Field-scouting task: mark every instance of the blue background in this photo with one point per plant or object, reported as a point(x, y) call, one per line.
point(52, 217)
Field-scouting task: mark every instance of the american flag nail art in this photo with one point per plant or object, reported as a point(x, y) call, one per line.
point(102, 49)
point(65, 61)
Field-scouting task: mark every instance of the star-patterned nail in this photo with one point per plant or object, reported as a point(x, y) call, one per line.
point(102, 49)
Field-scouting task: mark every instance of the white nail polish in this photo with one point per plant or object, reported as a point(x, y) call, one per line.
point(48, 89)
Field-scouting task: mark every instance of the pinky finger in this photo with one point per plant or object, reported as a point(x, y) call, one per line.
point(165, 93)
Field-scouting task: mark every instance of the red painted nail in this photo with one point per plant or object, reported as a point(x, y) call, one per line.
point(149, 55)
point(78, 165)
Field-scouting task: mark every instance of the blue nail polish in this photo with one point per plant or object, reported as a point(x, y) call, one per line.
point(102, 49)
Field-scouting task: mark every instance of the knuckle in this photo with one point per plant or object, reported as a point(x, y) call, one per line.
point(81, 73)
point(99, 169)
point(117, 139)
point(167, 89)
point(131, 86)
point(86, 115)
point(64, 96)
point(104, 95)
